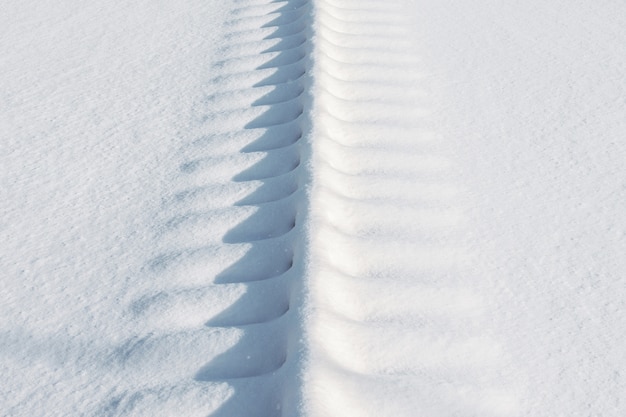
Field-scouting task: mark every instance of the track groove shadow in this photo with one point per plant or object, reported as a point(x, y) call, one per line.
point(226, 277)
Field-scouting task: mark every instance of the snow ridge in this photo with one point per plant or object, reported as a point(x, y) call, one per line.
point(229, 268)
point(394, 327)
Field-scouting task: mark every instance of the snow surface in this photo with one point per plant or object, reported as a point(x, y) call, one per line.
point(312, 208)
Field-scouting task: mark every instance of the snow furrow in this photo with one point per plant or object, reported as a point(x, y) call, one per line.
point(229, 264)
point(389, 309)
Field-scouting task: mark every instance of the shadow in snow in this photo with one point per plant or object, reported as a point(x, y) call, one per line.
point(262, 151)
point(262, 365)
point(232, 233)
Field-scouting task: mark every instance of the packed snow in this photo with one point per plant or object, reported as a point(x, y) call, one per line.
point(312, 208)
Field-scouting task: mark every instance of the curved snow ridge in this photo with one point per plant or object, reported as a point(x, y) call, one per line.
point(393, 328)
point(219, 314)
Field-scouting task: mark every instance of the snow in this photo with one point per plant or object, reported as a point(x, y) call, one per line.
point(312, 208)
point(95, 99)
point(534, 121)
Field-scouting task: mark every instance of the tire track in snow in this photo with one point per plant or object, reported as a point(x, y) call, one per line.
point(394, 327)
point(219, 317)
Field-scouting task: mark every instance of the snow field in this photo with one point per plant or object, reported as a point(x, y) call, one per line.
point(285, 208)
point(530, 97)
point(93, 100)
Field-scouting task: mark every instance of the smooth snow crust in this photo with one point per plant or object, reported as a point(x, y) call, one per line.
point(531, 97)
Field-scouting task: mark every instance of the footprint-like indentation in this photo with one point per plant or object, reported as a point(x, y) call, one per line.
point(272, 189)
point(261, 301)
point(280, 94)
point(273, 164)
point(296, 40)
point(263, 260)
point(284, 74)
point(259, 78)
point(260, 350)
point(244, 141)
point(286, 57)
point(269, 221)
point(222, 305)
point(276, 114)
point(288, 29)
point(221, 196)
point(285, 17)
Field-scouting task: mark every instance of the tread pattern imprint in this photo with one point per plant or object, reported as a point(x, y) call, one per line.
point(288, 279)
point(395, 326)
point(222, 334)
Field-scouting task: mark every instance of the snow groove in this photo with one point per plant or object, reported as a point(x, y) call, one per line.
point(391, 315)
point(220, 308)
point(388, 315)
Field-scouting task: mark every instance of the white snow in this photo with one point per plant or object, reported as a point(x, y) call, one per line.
point(531, 103)
point(312, 208)
point(95, 100)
